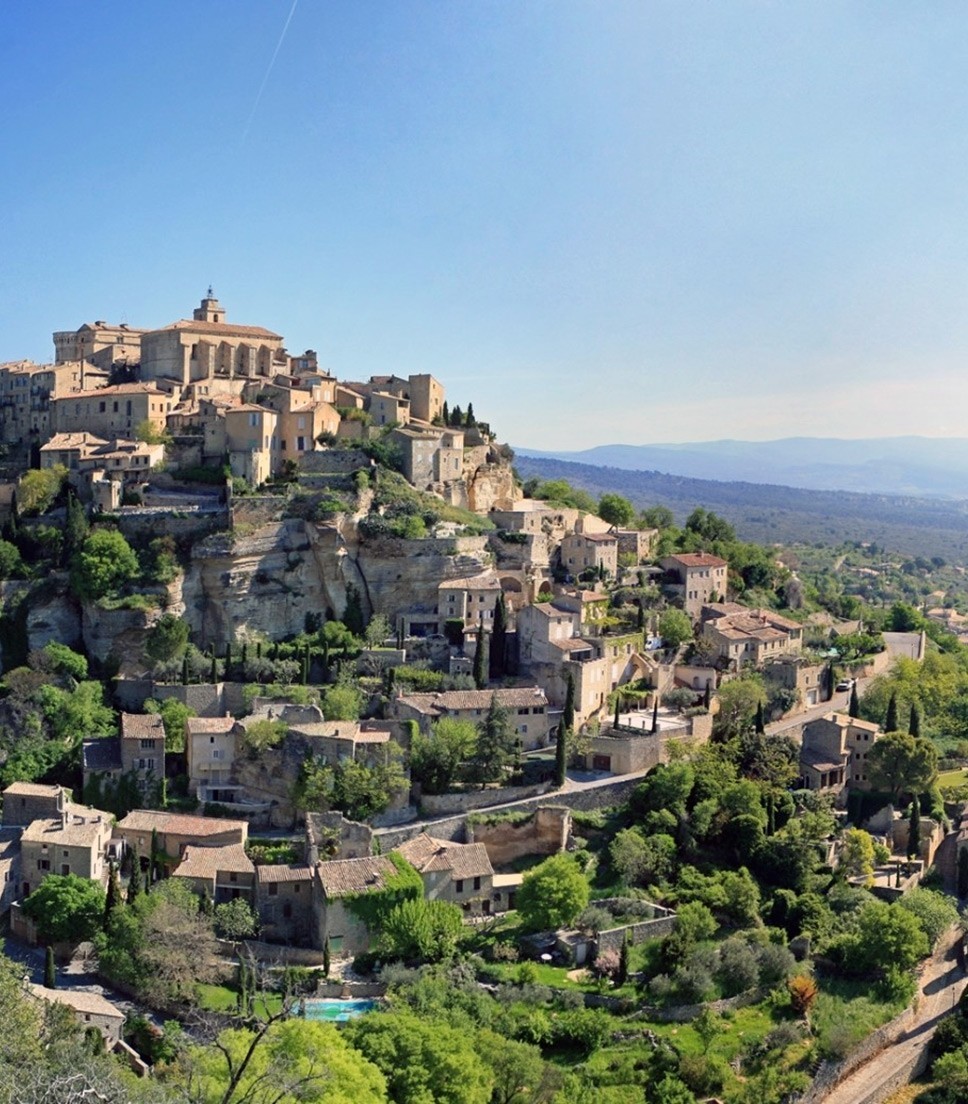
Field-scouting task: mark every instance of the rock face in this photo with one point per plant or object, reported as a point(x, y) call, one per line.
point(53, 617)
point(118, 634)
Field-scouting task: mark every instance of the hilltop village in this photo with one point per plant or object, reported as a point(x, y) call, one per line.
point(307, 696)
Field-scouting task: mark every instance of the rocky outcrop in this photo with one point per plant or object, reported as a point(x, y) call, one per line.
point(117, 634)
point(52, 614)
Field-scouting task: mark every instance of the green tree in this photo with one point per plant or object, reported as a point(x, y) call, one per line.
point(853, 708)
point(65, 661)
point(675, 628)
point(857, 854)
point(362, 791)
point(76, 527)
point(174, 714)
point(517, 1069)
point(657, 517)
point(899, 763)
point(738, 700)
point(935, 912)
point(235, 919)
point(38, 489)
point(640, 860)
point(105, 563)
point(616, 510)
point(496, 740)
point(66, 908)
point(436, 760)
point(377, 631)
point(553, 894)
point(418, 930)
point(264, 734)
point(283, 1061)
point(343, 702)
point(353, 614)
point(425, 1061)
point(889, 937)
point(914, 722)
point(11, 564)
point(167, 639)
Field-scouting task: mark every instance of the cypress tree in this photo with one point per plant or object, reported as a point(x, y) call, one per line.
point(622, 975)
point(497, 659)
point(456, 417)
point(963, 872)
point(618, 708)
point(854, 707)
point(640, 619)
point(568, 713)
point(914, 724)
point(228, 662)
point(469, 419)
point(445, 414)
point(914, 829)
point(184, 676)
point(655, 714)
point(113, 895)
point(759, 726)
point(153, 863)
point(258, 649)
point(480, 658)
point(213, 670)
point(707, 698)
point(561, 756)
point(50, 969)
point(770, 813)
point(326, 962)
point(890, 720)
point(134, 882)
point(245, 655)
point(304, 674)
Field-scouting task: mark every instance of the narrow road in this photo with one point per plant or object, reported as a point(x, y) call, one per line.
point(839, 703)
point(940, 986)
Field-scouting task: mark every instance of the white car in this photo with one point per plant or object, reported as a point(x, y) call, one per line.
point(845, 684)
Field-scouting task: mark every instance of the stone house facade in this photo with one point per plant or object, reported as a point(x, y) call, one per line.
point(78, 841)
point(222, 873)
point(112, 412)
point(210, 749)
point(335, 882)
point(695, 578)
point(833, 755)
point(527, 708)
point(284, 903)
point(741, 637)
point(460, 873)
point(582, 552)
point(176, 831)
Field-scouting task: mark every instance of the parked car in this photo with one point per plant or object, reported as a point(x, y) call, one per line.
point(845, 684)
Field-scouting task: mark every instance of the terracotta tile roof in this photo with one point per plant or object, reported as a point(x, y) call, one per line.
point(207, 725)
point(343, 876)
point(83, 828)
point(142, 726)
point(287, 872)
point(92, 1004)
point(31, 789)
point(208, 862)
point(73, 440)
point(697, 559)
point(116, 389)
point(220, 329)
point(515, 697)
point(182, 824)
point(330, 730)
point(463, 860)
point(485, 581)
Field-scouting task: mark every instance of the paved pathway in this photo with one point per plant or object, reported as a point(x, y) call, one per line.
point(941, 985)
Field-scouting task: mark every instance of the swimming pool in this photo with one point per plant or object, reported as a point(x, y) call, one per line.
point(336, 1011)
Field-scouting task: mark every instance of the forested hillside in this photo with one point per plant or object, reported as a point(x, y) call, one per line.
point(769, 514)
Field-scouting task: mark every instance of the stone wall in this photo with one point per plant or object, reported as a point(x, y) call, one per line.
point(258, 510)
point(613, 938)
point(141, 523)
point(544, 833)
point(686, 1013)
point(442, 804)
point(334, 461)
point(600, 796)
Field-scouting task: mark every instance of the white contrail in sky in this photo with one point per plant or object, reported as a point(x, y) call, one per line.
point(262, 87)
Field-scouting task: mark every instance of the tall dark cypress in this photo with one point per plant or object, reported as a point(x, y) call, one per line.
point(890, 721)
point(854, 708)
point(914, 829)
point(480, 658)
point(497, 660)
point(914, 724)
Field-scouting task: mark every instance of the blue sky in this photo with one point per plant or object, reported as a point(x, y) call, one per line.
point(598, 221)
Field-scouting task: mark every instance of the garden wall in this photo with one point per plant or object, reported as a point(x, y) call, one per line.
point(596, 796)
point(442, 804)
point(545, 832)
point(613, 938)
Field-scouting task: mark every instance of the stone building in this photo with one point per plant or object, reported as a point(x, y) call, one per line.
point(10, 876)
point(695, 578)
point(740, 637)
point(220, 872)
point(284, 902)
point(833, 755)
point(337, 881)
point(24, 802)
point(112, 412)
point(99, 343)
point(208, 347)
point(210, 746)
point(89, 1009)
point(527, 708)
point(176, 831)
point(77, 841)
point(582, 552)
point(457, 872)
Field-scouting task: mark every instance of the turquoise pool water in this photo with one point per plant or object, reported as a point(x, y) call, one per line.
point(337, 1011)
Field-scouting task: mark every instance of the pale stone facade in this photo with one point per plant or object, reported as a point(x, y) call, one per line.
point(207, 347)
point(112, 412)
point(740, 637)
point(696, 578)
point(834, 752)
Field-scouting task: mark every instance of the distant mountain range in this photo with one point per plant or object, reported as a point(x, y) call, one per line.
point(768, 513)
point(926, 466)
